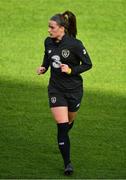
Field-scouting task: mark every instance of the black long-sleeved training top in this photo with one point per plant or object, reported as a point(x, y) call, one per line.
point(68, 51)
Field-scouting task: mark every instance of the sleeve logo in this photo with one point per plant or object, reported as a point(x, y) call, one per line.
point(49, 51)
point(84, 51)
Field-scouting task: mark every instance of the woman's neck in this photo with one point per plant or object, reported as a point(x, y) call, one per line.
point(58, 39)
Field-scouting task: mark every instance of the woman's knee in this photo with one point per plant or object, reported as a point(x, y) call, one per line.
point(60, 114)
point(71, 116)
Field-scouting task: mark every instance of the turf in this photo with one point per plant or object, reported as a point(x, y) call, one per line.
point(28, 148)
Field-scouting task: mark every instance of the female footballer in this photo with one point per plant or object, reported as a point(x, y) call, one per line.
point(67, 58)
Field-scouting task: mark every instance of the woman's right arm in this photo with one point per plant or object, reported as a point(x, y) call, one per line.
point(45, 64)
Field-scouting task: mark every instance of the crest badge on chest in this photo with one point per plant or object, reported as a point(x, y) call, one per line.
point(65, 53)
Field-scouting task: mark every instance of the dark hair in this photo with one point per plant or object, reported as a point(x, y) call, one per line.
point(68, 20)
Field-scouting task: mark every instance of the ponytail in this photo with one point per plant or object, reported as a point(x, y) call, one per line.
point(68, 20)
point(71, 27)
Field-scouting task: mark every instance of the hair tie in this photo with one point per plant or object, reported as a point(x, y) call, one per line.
point(66, 16)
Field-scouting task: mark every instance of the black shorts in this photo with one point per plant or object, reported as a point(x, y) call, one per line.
point(70, 99)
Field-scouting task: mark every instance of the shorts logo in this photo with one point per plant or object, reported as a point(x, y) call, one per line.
point(65, 53)
point(53, 100)
point(78, 105)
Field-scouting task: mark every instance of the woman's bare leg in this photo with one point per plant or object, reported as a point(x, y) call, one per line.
point(71, 116)
point(60, 114)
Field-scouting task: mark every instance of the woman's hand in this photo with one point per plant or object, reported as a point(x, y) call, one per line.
point(41, 70)
point(65, 68)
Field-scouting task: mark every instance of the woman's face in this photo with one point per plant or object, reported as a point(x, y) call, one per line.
point(55, 30)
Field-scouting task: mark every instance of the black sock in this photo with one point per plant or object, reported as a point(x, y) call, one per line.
point(64, 142)
point(71, 125)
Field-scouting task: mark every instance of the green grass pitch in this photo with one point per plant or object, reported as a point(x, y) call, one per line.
point(28, 147)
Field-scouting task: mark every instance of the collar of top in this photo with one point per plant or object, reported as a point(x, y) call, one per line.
point(63, 38)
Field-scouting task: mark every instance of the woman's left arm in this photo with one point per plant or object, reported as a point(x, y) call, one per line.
point(82, 55)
